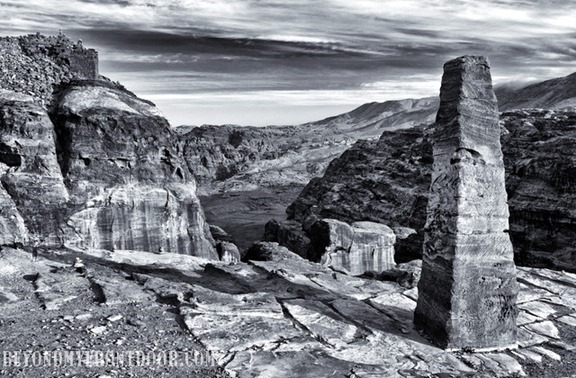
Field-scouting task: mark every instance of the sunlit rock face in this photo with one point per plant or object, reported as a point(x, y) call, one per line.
point(31, 176)
point(355, 248)
point(129, 186)
point(468, 289)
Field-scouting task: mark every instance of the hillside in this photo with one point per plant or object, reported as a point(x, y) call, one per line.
point(558, 93)
point(229, 157)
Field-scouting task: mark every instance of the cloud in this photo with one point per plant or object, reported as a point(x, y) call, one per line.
point(257, 49)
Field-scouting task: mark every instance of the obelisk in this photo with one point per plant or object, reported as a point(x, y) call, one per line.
point(468, 288)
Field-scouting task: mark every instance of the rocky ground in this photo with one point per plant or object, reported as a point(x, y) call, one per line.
point(282, 318)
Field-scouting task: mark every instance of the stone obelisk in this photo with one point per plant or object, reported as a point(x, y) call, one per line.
point(468, 288)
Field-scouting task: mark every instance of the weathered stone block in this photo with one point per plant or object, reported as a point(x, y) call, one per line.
point(356, 248)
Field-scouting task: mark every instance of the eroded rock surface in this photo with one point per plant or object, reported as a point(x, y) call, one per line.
point(30, 171)
point(355, 248)
point(129, 186)
point(290, 317)
point(467, 291)
point(387, 181)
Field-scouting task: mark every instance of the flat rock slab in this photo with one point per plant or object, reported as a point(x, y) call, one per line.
point(231, 333)
point(530, 293)
point(312, 364)
point(115, 291)
point(568, 319)
point(323, 323)
point(55, 289)
point(537, 308)
point(545, 328)
point(206, 301)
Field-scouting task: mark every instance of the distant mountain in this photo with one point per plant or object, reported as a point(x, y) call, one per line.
point(232, 157)
point(559, 93)
point(369, 120)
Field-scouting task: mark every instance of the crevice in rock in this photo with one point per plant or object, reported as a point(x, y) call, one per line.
point(300, 326)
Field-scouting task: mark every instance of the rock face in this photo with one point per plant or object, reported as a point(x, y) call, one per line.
point(541, 161)
point(32, 187)
point(128, 184)
point(291, 235)
point(86, 163)
point(31, 174)
point(354, 249)
point(387, 181)
point(384, 181)
point(468, 289)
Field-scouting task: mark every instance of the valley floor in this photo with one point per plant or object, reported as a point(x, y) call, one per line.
point(243, 214)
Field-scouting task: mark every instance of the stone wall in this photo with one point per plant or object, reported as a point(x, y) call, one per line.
point(34, 64)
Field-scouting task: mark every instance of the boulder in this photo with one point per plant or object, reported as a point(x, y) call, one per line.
point(356, 248)
point(269, 251)
point(228, 252)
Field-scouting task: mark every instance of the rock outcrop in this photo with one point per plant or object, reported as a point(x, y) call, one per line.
point(35, 63)
point(289, 234)
point(352, 248)
point(128, 184)
point(355, 248)
point(86, 163)
point(468, 289)
point(31, 174)
point(387, 181)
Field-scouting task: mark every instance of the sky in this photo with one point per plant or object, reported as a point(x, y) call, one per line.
point(262, 62)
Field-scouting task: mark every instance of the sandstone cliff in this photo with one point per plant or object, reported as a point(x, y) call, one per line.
point(387, 181)
point(128, 183)
point(86, 163)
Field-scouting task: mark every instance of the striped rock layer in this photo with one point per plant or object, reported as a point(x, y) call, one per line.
point(468, 286)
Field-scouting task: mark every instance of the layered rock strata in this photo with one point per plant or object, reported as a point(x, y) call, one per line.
point(31, 177)
point(468, 289)
point(129, 186)
point(355, 248)
point(387, 181)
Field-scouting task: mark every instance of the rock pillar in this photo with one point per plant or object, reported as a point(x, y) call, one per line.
point(468, 289)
